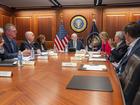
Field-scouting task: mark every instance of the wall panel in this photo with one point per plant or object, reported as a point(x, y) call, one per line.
point(114, 21)
point(6, 19)
point(45, 26)
point(23, 24)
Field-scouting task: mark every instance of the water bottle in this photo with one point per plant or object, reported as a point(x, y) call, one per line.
point(32, 54)
point(66, 48)
point(20, 59)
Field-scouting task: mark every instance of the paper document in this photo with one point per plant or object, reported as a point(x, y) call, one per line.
point(29, 63)
point(94, 67)
point(42, 57)
point(97, 59)
point(5, 73)
point(96, 56)
point(69, 64)
point(76, 58)
point(81, 55)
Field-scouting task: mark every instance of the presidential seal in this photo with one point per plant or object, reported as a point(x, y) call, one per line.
point(78, 23)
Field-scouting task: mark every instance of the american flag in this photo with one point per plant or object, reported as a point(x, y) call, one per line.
point(61, 39)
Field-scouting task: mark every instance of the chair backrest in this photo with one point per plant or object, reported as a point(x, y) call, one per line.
point(137, 98)
point(130, 79)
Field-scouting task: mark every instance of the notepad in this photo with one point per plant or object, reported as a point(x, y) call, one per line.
point(69, 64)
point(97, 59)
point(93, 67)
point(5, 73)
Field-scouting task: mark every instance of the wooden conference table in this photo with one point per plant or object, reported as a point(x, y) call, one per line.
point(45, 84)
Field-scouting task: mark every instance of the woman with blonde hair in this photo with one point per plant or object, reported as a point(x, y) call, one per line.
point(105, 48)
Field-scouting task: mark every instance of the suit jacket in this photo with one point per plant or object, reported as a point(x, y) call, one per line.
point(38, 46)
point(118, 53)
point(124, 60)
point(106, 48)
point(10, 51)
point(26, 45)
point(79, 44)
point(130, 79)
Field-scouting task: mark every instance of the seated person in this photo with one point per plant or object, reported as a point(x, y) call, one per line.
point(41, 43)
point(10, 45)
point(1, 44)
point(75, 42)
point(132, 38)
point(105, 48)
point(118, 51)
point(29, 42)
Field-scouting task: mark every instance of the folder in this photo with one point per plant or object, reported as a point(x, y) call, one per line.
point(96, 83)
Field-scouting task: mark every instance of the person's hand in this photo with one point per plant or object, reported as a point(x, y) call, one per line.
point(112, 43)
point(1, 43)
point(26, 52)
point(38, 51)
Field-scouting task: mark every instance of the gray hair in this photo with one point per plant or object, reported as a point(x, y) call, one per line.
point(120, 34)
point(8, 26)
point(28, 33)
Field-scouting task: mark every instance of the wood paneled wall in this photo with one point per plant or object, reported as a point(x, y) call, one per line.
point(114, 19)
point(47, 21)
point(40, 22)
point(5, 16)
point(68, 14)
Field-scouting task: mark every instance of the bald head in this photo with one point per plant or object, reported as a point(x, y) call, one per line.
point(74, 36)
point(29, 35)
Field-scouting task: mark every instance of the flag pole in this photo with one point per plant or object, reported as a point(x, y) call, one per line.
point(61, 18)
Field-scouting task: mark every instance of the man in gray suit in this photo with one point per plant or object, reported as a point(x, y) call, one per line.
point(132, 38)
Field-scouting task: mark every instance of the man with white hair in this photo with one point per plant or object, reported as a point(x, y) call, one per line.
point(120, 49)
point(75, 42)
point(29, 42)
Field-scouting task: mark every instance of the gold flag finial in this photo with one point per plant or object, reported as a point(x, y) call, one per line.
point(93, 18)
point(61, 17)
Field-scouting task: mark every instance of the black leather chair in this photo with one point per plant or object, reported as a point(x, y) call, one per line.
point(137, 98)
point(130, 79)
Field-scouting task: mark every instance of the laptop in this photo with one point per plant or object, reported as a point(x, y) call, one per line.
point(72, 50)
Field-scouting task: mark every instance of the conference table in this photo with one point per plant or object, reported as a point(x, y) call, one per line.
point(45, 84)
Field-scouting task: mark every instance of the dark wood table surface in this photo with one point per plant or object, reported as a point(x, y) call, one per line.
point(45, 84)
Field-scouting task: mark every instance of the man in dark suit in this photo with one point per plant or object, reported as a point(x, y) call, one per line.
point(75, 42)
point(1, 44)
point(120, 49)
point(10, 46)
point(132, 38)
point(29, 42)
